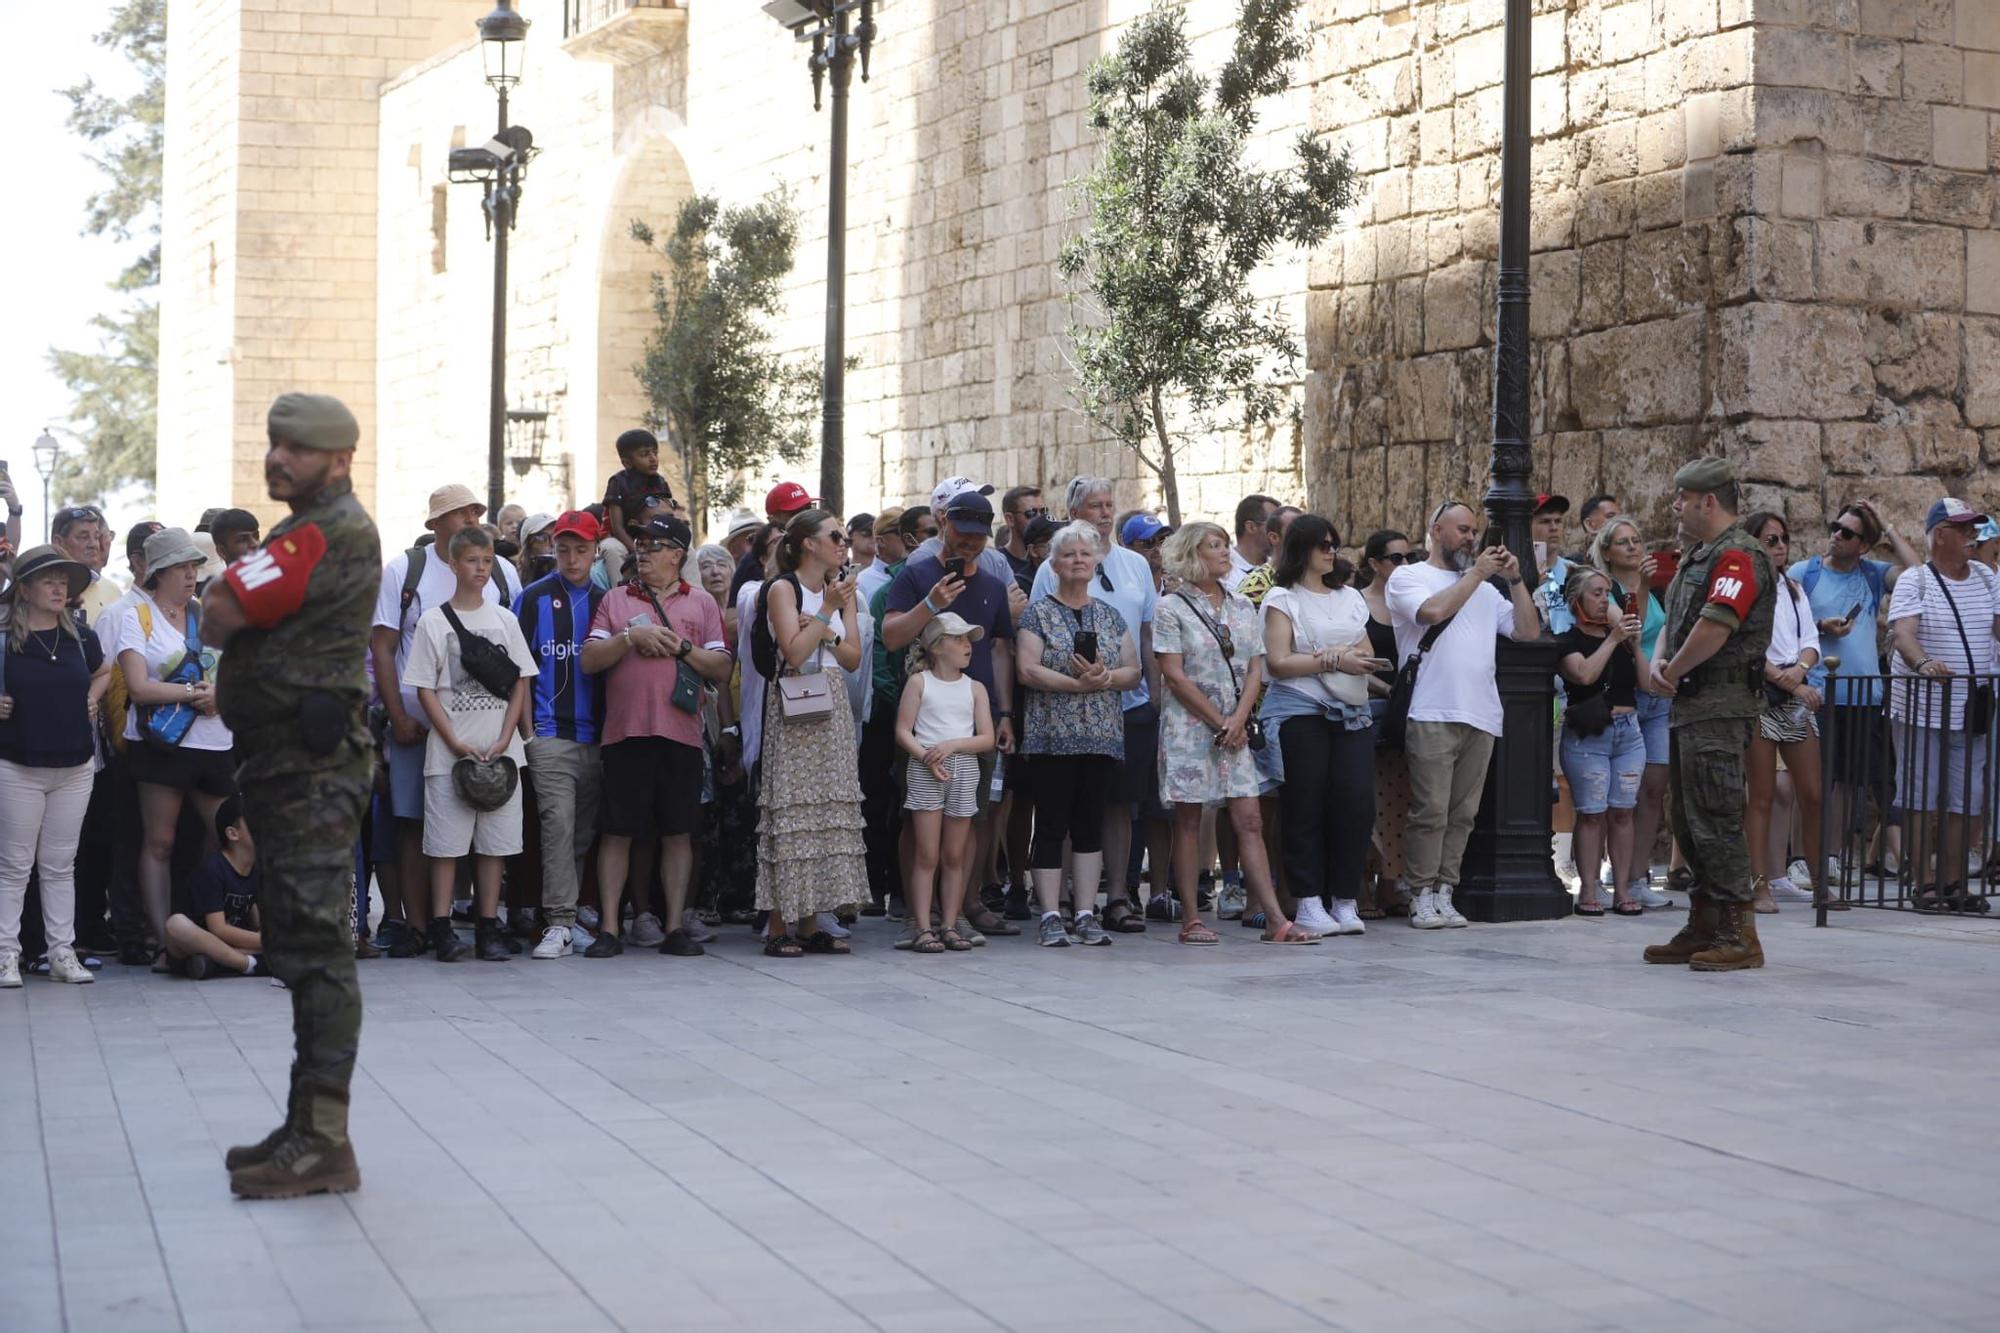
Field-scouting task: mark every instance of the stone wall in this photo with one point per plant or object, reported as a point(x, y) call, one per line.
point(1756, 231)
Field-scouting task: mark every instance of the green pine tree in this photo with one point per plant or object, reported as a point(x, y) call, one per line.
point(116, 385)
point(1162, 316)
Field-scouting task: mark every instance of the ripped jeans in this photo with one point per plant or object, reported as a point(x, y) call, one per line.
point(1604, 770)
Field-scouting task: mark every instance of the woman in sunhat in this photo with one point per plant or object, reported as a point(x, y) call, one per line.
point(52, 673)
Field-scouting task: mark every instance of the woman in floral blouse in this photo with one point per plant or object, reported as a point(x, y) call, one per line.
point(1211, 655)
point(1072, 726)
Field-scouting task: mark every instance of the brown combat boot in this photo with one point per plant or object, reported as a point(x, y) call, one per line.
point(1736, 946)
point(312, 1157)
point(1696, 935)
point(250, 1154)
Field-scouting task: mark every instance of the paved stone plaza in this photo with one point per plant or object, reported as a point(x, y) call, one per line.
point(1497, 1128)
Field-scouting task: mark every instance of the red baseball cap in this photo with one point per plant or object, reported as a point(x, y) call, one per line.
point(788, 497)
point(577, 523)
point(1557, 503)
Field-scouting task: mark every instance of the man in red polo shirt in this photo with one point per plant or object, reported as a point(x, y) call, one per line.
point(658, 639)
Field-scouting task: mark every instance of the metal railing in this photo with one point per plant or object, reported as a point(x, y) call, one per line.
point(1907, 792)
point(582, 15)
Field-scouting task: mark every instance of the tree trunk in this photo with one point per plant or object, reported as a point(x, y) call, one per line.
point(1169, 486)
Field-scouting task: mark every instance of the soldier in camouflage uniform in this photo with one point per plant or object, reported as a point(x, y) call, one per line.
point(1710, 661)
point(294, 616)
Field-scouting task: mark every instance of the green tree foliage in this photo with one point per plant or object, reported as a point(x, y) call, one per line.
point(726, 401)
point(116, 386)
point(1161, 313)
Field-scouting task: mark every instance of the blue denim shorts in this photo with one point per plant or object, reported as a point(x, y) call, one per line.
point(1655, 724)
point(1604, 770)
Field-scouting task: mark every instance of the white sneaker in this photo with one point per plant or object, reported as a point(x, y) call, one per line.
point(10, 970)
point(1644, 894)
point(588, 918)
point(1451, 915)
point(646, 932)
point(697, 929)
point(580, 937)
point(65, 966)
point(1785, 890)
point(1232, 902)
point(1833, 870)
point(1798, 872)
point(1424, 912)
point(555, 943)
point(830, 923)
point(1312, 916)
point(1345, 912)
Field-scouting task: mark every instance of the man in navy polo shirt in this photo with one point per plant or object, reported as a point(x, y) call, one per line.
point(567, 707)
point(955, 578)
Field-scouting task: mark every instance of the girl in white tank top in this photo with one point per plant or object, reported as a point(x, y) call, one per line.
point(943, 725)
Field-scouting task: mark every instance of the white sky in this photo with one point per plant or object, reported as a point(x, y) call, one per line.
point(57, 279)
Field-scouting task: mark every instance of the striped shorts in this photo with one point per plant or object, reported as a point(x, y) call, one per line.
point(958, 797)
point(1787, 723)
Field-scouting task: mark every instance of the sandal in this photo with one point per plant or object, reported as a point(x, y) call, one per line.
point(1963, 899)
point(1629, 908)
point(1290, 933)
point(1590, 909)
point(927, 941)
point(1122, 918)
point(1195, 932)
point(1925, 898)
point(989, 922)
point(956, 942)
point(782, 946)
point(821, 942)
point(1253, 920)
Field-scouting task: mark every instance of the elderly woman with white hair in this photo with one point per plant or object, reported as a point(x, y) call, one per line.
point(1124, 582)
point(1074, 652)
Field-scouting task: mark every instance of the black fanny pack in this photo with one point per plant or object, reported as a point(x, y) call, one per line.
point(485, 661)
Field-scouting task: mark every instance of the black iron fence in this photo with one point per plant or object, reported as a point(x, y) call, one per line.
point(1907, 811)
point(583, 15)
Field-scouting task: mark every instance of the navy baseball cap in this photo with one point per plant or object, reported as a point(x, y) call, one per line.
point(970, 511)
point(1951, 509)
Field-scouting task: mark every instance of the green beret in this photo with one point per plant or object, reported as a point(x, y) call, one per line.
point(1705, 475)
point(313, 421)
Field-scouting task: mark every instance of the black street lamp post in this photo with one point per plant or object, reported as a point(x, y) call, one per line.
point(1509, 871)
point(499, 165)
point(46, 450)
point(837, 39)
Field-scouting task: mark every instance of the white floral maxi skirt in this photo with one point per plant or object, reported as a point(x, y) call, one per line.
point(809, 852)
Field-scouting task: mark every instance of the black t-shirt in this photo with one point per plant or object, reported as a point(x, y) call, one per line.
point(628, 489)
point(216, 887)
point(1620, 677)
point(50, 727)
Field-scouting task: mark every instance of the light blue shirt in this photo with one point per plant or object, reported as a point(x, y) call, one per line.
point(1833, 595)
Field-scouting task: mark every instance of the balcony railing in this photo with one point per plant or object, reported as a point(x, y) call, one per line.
point(580, 16)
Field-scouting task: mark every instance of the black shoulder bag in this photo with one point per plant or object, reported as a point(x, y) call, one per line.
point(1253, 729)
point(687, 687)
point(1394, 726)
point(1979, 716)
point(485, 661)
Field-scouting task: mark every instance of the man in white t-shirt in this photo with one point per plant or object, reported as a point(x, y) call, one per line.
point(1943, 619)
point(1455, 714)
point(452, 509)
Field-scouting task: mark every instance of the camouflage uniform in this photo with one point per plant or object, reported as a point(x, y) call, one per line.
point(1713, 722)
point(304, 802)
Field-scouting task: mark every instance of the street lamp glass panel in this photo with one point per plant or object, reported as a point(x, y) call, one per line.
point(45, 450)
point(503, 43)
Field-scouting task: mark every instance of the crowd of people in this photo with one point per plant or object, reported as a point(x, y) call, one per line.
point(982, 720)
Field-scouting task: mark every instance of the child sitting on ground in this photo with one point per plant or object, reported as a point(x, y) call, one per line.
point(221, 939)
point(944, 724)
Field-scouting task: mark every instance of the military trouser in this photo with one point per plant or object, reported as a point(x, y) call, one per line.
point(305, 825)
point(1706, 775)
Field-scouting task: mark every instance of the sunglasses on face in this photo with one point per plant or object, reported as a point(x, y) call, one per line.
point(837, 537)
point(1776, 540)
point(1330, 548)
point(1392, 558)
point(1840, 531)
point(1030, 514)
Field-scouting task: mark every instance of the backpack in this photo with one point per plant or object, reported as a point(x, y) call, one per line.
point(414, 575)
point(1871, 573)
point(118, 698)
point(763, 644)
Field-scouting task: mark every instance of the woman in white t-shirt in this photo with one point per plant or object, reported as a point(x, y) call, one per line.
point(1788, 726)
point(165, 663)
point(1316, 713)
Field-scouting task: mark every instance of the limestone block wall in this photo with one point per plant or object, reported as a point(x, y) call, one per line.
point(1757, 230)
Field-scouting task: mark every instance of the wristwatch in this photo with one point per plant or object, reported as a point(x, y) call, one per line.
point(686, 648)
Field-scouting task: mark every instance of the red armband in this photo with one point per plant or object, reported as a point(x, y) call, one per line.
point(1733, 583)
point(270, 584)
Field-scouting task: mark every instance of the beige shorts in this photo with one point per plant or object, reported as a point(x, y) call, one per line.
point(453, 828)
